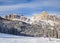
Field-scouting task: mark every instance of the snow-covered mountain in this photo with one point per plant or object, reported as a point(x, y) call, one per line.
point(44, 17)
point(14, 17)
point(37, 26)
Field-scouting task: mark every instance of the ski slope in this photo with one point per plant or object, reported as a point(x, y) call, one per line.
point(6, 38)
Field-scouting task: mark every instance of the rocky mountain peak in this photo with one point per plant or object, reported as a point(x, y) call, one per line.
point(44, 17)
point(16, 17)
point(44, 13)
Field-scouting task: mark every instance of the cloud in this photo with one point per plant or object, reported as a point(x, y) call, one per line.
point(33, 4)
point(12, 2)
point(30, 6)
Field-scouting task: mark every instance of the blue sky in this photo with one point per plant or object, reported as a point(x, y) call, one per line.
point(29, 7)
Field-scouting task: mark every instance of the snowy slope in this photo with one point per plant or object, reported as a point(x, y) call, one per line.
point(21, 39)
point(7, 35)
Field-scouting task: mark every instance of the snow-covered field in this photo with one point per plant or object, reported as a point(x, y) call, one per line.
point(5, 38)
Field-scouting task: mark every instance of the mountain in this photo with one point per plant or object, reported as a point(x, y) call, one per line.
point(17, 28)
point(37, 26)
point(44, 17)
point(20, 28)
point(2, 18)
point(14, 17)
point(48, 23)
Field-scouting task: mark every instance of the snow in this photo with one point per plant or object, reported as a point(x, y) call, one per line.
point(6, 38)
point(49, 22)
point(2, 35)
point(46, 21)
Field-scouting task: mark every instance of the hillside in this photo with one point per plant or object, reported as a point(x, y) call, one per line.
point(38, 26)
point(18, 28)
